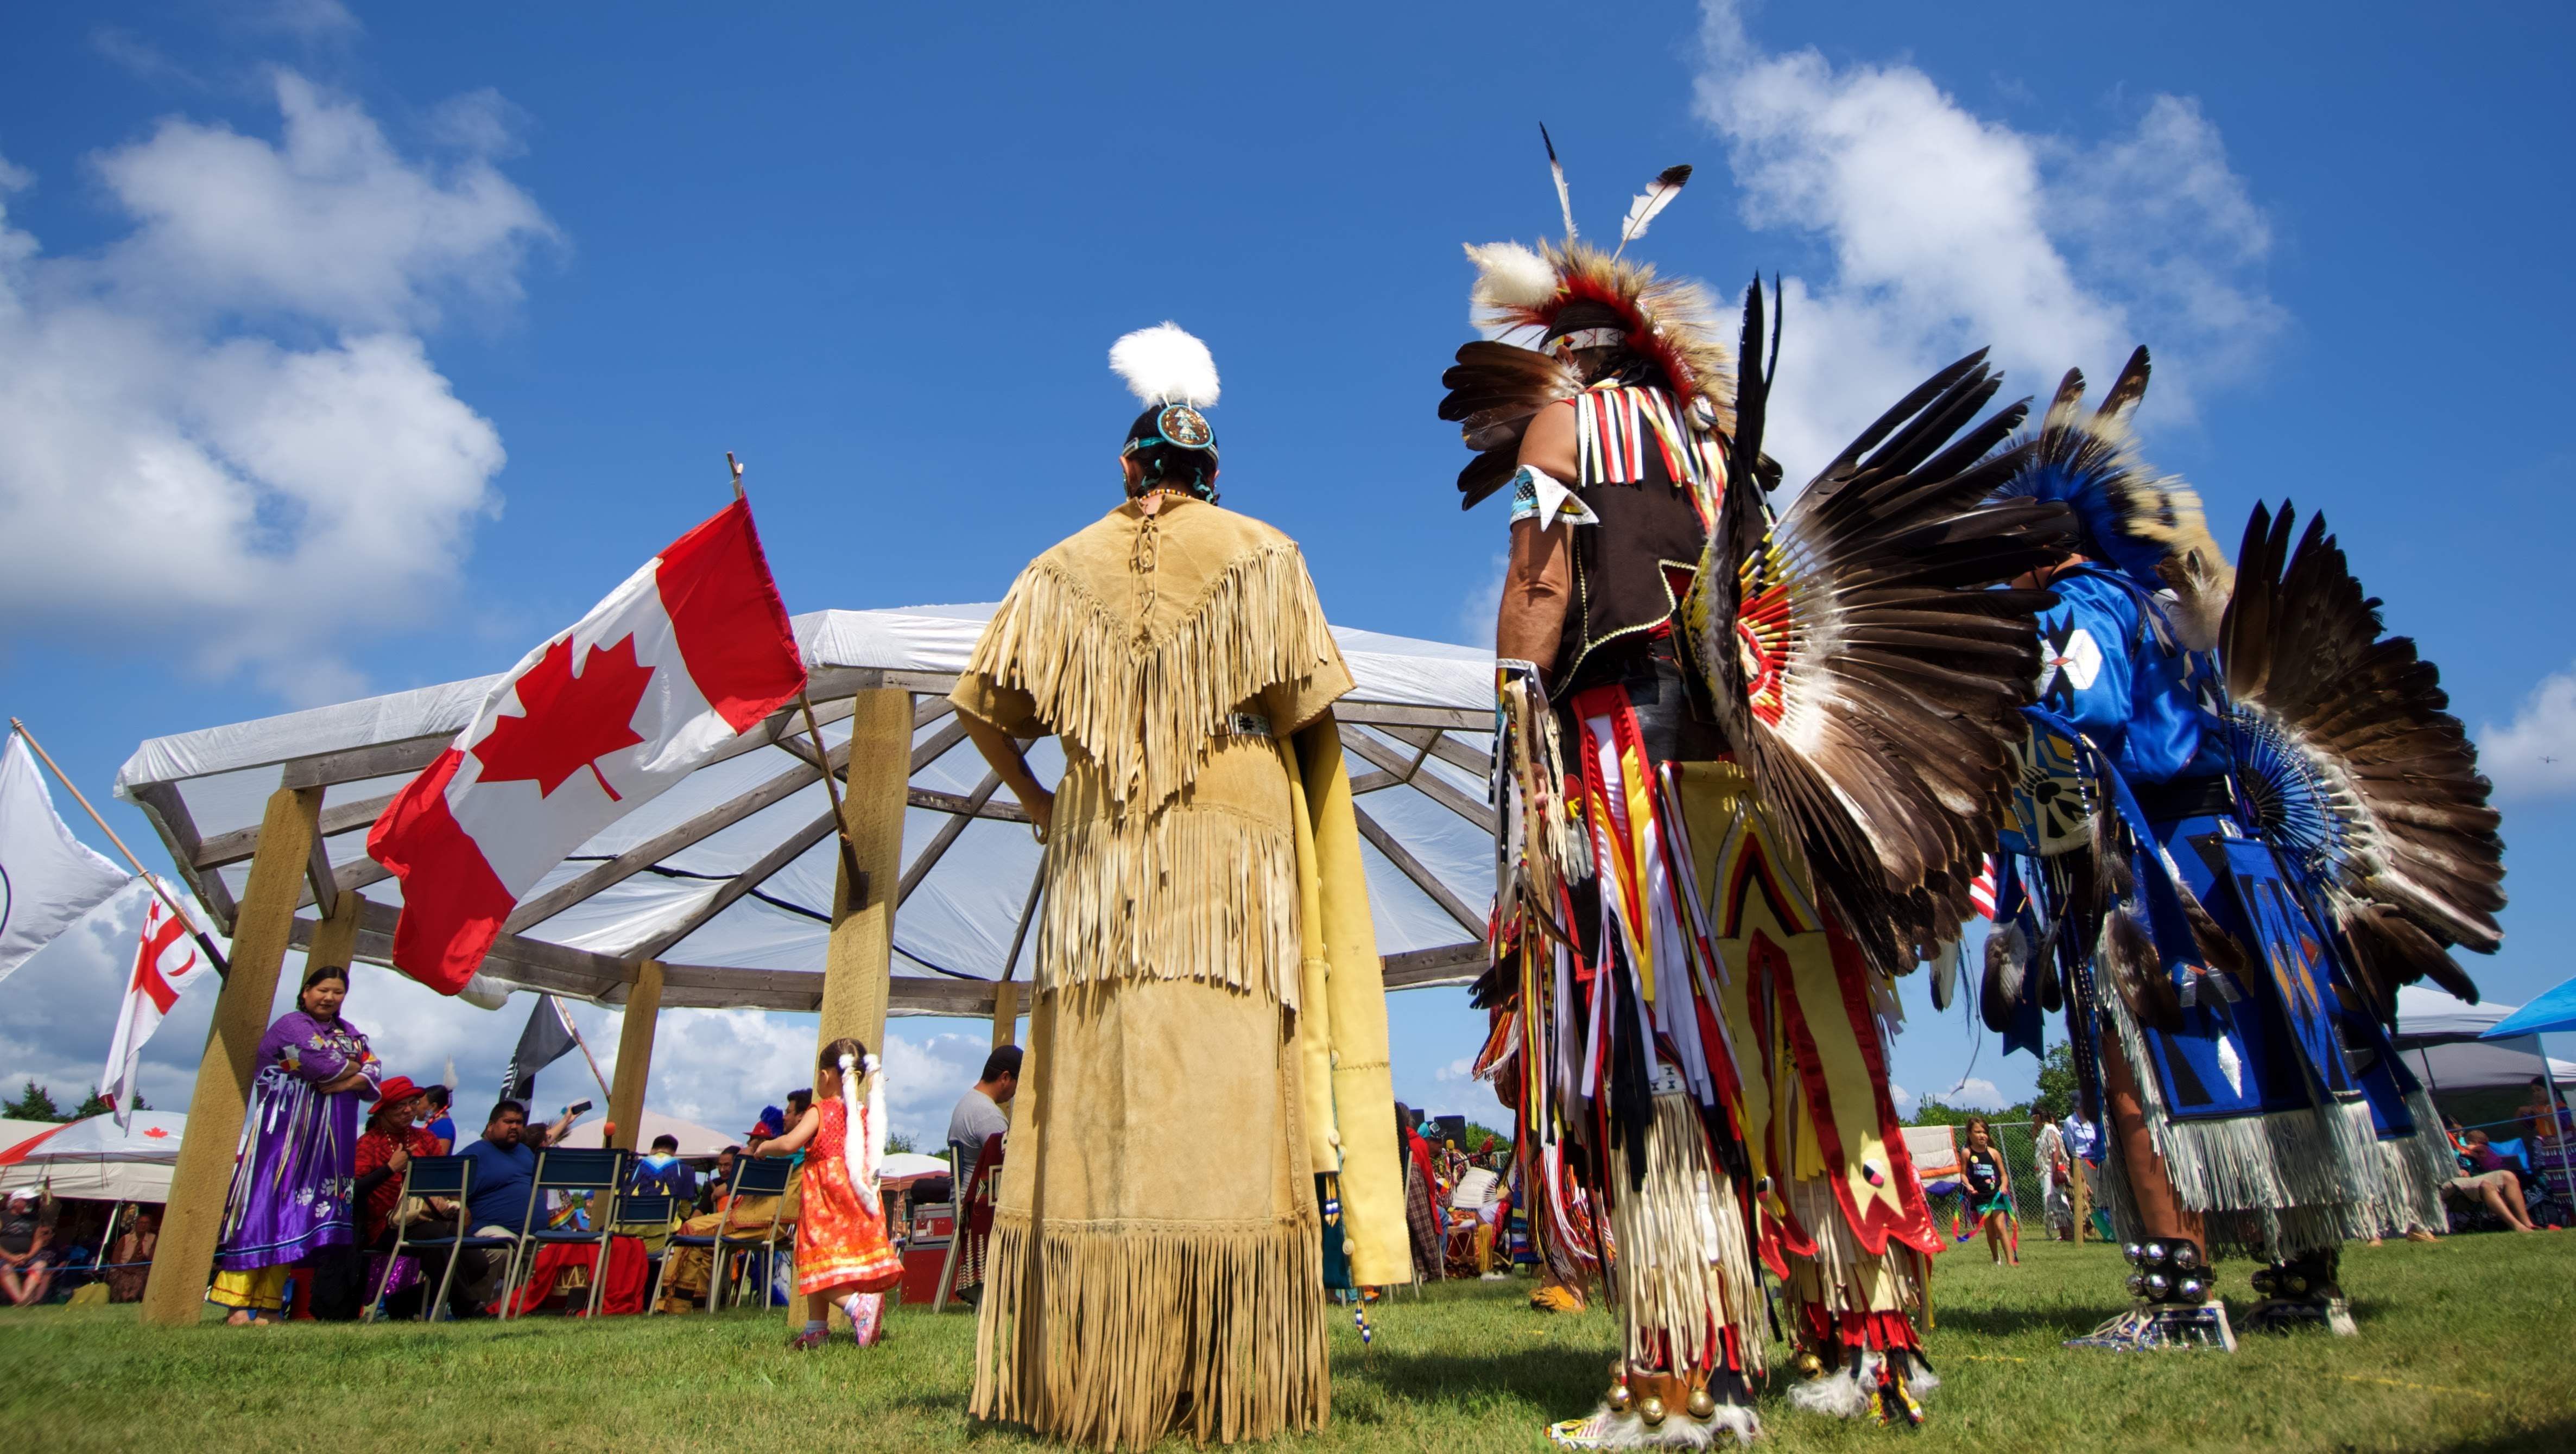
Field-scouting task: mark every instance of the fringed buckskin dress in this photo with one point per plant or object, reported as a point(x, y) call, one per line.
point(1145, 1275)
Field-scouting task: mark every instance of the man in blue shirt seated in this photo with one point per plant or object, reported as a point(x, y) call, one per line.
point(496, 1202)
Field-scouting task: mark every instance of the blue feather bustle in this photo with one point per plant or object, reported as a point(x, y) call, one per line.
point(2092, 485)
point(2295, 808)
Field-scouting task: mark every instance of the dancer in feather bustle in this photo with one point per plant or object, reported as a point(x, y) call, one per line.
point(1740, 759)
point(2246, 819)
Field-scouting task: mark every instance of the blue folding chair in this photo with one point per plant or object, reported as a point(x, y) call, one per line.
point(600, 1172)
point(447, 1178)
point(753, 1176)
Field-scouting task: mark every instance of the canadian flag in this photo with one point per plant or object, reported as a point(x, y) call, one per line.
point(166, 966)
point(691, 652)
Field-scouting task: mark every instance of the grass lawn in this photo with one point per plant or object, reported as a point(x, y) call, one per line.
point(2464, 1346)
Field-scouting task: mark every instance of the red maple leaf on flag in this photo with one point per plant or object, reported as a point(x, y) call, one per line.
point(569, 721)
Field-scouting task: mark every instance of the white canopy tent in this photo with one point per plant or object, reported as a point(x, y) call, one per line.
point(727, 880)
point(2438, 1038)
point(92, 1159)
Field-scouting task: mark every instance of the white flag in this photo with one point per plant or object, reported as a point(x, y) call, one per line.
point(167, 964)
point(48, 878)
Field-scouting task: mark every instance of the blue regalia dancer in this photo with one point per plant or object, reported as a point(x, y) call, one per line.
point(2245, 819)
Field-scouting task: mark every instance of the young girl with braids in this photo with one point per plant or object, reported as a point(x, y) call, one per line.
point(843, 1257)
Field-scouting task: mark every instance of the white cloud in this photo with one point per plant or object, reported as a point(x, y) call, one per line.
point(1948, 231)
point(1976, 1093)
point(2534, 755)
point(223, 431)
point(1476, 613)
point(1904, 1099)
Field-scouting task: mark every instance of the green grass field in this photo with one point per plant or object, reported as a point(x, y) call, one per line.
point(2464, 1346)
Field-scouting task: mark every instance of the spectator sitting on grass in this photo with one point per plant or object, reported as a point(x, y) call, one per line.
point(26, 1249)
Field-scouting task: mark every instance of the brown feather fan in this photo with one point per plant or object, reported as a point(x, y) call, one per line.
point(1495, 389)
point(2356, 767)
point(1864, 674)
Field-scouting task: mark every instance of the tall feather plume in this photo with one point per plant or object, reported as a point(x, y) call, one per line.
point(1165, 365)
point(1564, 198)
point(1659, 194)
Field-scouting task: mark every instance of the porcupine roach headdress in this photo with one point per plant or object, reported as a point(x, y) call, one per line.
point(2148, 527)
point(1175, 376)
point(1578, 296)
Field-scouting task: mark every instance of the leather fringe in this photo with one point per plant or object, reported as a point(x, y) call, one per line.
point(2271, 1185)
point(1684, 1267)
point(1198, 893)
point(1843, 1276)
point(1145, 706)
point(1149, 1328)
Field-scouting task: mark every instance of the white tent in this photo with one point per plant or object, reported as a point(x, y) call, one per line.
point(2438, 1038)
point(695, 1140)
point(727, 880)
point(92, 1159)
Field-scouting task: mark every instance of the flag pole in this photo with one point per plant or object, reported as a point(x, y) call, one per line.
point(222, 965)
point(822, 756)
point(585, 1046)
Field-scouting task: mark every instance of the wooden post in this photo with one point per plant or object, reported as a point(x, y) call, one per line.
point(635, 1055)
point(335, 939)
point(1006, 1013)
point(193, 1220)
point(859, 965)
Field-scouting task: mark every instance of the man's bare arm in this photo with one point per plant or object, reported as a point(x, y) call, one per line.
point(1540, 577)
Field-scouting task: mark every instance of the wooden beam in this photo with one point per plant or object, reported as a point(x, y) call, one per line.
point(534, 963)
point(192, 1224)
point(357, 764)
point(337, 818)
point(635, 1054)
point(939, 802)
point(653, 850)
point(1423, 878)
point(335, 939)
point(730, 891)
point(168, 811)
point(1422, 968)
point(1432, 785)
point(858, 963)
point(1389, 714)
point(947, 835)
point(1447, 748)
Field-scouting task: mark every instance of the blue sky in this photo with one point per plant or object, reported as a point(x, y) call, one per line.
point(349, 351)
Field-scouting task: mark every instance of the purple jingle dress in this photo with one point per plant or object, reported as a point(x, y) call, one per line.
point(293, 1179)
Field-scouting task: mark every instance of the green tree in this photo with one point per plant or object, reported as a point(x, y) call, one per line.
point(896, 1141)
point(34, 1103)
point(2057, 1082)
point(97, 1105)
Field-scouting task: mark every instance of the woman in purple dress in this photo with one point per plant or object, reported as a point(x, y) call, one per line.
point(293, 1181)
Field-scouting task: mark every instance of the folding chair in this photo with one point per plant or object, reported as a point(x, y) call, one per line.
point(562, 1168)
point(755, 1176)
point(643, 1215)
point(447, 1177)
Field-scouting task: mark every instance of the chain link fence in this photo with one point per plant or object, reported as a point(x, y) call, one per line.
point(2021, 1161)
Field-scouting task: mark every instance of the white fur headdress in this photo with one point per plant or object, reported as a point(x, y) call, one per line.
point(1164, 365)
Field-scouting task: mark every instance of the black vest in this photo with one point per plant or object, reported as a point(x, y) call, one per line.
point(1633, 568)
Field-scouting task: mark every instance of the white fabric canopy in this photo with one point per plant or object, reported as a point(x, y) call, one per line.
point(92, 1160)
point(2428, 1016)
point(736, 861)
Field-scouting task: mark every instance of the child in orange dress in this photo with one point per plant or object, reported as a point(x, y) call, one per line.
point(842, 1254)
